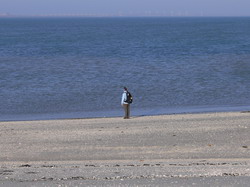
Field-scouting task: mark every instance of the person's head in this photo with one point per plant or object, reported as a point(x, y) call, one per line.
point(125, 88)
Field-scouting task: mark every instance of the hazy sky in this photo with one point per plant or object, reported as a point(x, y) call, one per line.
point(128, 7)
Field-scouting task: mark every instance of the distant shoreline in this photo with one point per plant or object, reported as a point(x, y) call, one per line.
point(113, 16)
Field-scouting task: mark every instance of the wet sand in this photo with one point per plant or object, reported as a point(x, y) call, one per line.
point(184, 149)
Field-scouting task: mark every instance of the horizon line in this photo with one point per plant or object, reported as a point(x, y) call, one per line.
point(106, 15)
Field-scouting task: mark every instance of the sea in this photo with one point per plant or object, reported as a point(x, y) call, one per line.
point(57, 68)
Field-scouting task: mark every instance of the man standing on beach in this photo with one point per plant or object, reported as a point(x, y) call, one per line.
point(126, 101)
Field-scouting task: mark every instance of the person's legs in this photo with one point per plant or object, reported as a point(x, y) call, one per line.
point(126, 111)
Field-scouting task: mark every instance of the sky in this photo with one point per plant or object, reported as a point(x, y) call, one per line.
point(126, 7)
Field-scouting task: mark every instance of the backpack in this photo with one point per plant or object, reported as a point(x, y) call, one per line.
point(129, 98)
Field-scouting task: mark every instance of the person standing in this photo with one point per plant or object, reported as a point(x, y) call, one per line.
point(126, 101)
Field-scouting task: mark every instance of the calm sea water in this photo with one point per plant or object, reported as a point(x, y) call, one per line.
point(77, 67)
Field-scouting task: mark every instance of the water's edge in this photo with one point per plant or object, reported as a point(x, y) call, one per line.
point(119, 113)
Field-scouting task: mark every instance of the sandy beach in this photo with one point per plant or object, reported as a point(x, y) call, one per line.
point(185, 149)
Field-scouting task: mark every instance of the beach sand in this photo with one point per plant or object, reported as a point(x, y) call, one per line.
point(206, 149)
